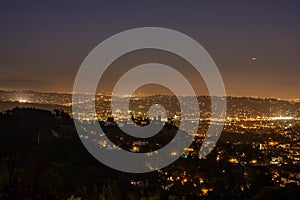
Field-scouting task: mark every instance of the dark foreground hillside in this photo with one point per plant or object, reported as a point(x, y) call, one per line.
point(42, 157)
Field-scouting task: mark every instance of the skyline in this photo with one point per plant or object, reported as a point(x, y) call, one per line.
point(43, 44)
point(138, 94)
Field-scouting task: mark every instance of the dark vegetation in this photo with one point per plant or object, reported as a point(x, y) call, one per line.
point(42, 157)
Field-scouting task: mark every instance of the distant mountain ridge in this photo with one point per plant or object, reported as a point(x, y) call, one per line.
point(236, 106)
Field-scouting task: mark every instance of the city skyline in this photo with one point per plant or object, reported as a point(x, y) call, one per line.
point(140, 100)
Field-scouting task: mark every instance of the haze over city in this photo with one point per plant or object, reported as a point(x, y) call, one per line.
point(255, 45)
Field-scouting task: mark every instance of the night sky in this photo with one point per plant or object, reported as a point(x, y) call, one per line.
point(42, 43)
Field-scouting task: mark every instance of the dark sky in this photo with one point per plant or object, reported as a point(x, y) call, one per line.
point(42, 43)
